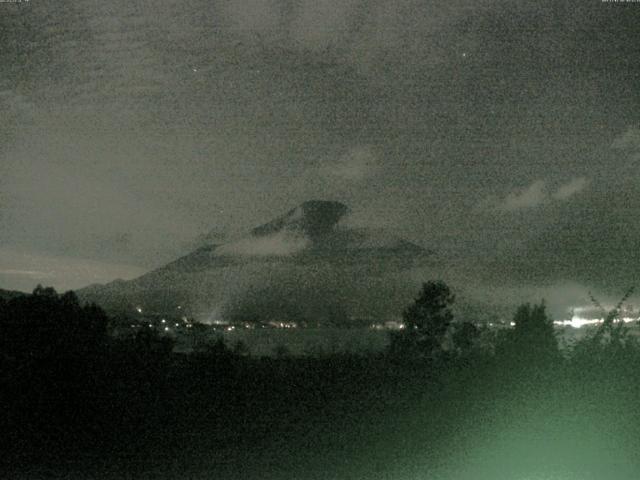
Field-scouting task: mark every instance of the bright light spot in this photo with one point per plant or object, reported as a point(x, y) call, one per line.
point(578, 322)
point(166, 329)
point(163, 321)
point(177, 324)
point(139, 309)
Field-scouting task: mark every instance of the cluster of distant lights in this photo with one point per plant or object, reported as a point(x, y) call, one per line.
point(228, 328)
point(166, 327)
point(579, 322)
point(574, 322)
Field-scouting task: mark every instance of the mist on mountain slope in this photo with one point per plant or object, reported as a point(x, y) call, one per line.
point(306, 265)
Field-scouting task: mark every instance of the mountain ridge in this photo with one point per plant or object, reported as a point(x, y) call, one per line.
point(304, 261)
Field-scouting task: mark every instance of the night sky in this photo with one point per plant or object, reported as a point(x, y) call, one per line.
point(502, 135)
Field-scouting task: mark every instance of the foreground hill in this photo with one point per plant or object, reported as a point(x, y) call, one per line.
point(306, 264)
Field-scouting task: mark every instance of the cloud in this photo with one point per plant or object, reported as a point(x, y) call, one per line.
point(528, 197)
point(320, 23)
point(629, 141)
point(358, 164)
point(570, 188)
point(310, 25)
point(362, 34)
point(534, 195)
point(26, 273)
point(22, 270)
point(257, 16)
point(16, 104)
point(343, 177)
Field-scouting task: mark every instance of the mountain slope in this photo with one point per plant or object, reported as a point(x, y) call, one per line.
point(304, 264)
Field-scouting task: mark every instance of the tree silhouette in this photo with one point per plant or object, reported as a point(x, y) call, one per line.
point(426, 322)
point(533, 338)
point(610, 340)
point(464, 336)
point(612, 330)
point(46, 324)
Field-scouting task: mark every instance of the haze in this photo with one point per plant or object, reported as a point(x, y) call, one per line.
point(503, 136)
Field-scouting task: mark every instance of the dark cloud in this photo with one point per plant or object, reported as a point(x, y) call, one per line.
point(504, 136)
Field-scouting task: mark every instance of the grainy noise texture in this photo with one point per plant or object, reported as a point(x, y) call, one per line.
point(503, 136)
point(319, 239)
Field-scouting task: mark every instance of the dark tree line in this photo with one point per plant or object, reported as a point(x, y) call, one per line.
point(68, 388)
point(432, 333)
point(429, 331)
point(48, 325)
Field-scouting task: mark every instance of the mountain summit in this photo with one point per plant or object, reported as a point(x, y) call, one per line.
point(303, 265)
point(312, 218)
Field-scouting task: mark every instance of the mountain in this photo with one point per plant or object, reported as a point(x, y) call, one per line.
point(313, 219)
point(303, 265)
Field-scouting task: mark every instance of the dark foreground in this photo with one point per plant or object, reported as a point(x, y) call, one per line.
point(342, 417)
point(77, 403)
